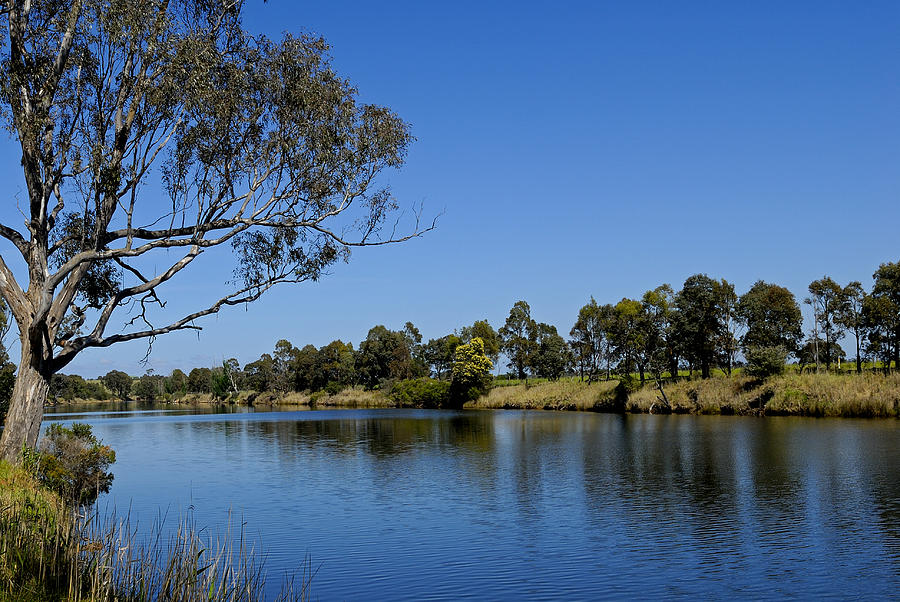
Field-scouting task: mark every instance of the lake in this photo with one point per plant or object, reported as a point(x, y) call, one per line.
point(419, 504)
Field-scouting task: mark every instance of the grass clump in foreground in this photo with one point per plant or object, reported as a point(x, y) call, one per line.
point(51, 551)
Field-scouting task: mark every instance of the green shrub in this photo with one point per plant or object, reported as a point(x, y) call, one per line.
point(316, 397)
point(72, 462)
point(763, 362)
point(421, 393)
point(333, 387)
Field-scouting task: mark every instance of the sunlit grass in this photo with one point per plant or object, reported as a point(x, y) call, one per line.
point(564, 394)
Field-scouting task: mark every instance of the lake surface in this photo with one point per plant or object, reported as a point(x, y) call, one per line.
point(406, 504)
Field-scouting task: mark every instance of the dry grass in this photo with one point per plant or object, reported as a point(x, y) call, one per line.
point(357, 397)
point(717, 395)
point(564, 394)
point(859, 395)
point(791, 394)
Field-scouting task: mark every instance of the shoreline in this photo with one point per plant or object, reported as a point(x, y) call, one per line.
point(822, 395)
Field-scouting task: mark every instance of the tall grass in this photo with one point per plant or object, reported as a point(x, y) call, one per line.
point(564, 394)
point(827, 395)
point(49, 551)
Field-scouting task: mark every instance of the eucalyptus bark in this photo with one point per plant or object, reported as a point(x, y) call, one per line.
point(26, 407)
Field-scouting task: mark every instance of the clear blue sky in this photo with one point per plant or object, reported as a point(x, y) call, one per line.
point(588, 148)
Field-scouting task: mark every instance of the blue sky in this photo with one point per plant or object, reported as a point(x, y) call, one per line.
point(587, 148)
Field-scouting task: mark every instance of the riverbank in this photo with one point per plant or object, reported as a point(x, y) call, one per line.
point(790, 394)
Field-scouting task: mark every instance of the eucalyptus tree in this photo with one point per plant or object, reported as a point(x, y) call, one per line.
point(518, 338)
point(483, 330)
point(700, 320)
point(438, 354)
point(551, 355)
point(851, 316)
point(630, 337)
point(771, 317)
point(151, 131)
point(827, 298)
point(587, 340)
point(662, 350)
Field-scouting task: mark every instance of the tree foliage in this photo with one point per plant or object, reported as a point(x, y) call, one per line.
point(700, 320)
point(74, 463)
point(118, 382)
point(772, 318)
point(471, 371)
point(518, 338)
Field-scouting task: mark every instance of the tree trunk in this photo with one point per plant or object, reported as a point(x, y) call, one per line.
point(858, 359)
point(26, 409)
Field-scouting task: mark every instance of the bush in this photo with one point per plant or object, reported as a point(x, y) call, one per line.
point(763, 362)
point(316, 397)
point(421, 393)
point(72, 462)
point(333, 387)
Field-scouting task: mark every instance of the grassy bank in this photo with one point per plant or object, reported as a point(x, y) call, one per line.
point(564, 394)
point(50, 552)
point(354, 397)
point(791, 394)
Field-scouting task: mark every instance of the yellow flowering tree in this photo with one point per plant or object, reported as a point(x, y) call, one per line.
point(471, 371)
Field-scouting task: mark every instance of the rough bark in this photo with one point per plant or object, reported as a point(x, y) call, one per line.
point(26, 409)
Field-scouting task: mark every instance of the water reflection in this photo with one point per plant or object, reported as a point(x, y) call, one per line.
point(417, 504)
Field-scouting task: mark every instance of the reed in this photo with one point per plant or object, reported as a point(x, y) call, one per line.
point(49, 551)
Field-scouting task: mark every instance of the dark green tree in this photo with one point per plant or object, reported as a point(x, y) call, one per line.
point(150, 386)
point(305, 369)
point(438, 354)
point(260, 374)
point(384, 355)
point(771, 317)
point(336, 365)
point(518, 338)
point(552, 356)
point(118, 383)
point(700, 321)
point(177, 382)
point(200, 380)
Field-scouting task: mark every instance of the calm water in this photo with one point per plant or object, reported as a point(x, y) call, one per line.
point(399, 504)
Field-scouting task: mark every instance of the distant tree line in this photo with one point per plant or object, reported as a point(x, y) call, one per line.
point(701, 327)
